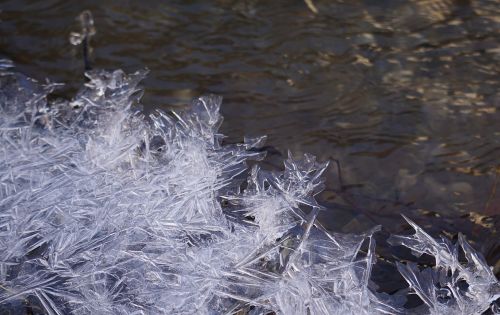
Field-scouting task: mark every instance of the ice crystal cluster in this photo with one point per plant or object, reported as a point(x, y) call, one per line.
point(104, 211)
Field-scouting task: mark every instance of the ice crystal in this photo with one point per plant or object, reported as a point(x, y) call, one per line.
point(451, 286)
point(103, 211)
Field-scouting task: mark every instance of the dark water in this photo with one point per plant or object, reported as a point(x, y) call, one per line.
point(404, 94)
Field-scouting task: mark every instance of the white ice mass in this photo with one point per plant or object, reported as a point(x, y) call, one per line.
point(104, 211)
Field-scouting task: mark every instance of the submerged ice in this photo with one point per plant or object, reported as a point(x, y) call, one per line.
point(105, 211)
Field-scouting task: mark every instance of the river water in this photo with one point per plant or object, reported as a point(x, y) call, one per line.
point(404, 94)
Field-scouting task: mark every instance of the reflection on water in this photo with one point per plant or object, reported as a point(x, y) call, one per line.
point(405, 95)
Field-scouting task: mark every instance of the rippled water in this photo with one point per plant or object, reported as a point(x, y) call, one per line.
point(404, 94)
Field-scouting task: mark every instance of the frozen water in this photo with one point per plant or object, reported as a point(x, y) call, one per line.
point(103, 211)
point(451, 287)
point(87, 28)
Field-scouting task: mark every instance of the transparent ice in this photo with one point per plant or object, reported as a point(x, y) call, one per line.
point(105, 211)
point(87, 28)
point(451, 287)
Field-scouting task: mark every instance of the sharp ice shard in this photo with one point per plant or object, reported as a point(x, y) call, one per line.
point(451, 286)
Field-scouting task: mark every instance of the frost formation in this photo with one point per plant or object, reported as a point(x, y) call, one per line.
point(103, 211)
point(451, 287)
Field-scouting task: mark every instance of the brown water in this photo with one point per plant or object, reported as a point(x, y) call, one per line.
point(404, 94)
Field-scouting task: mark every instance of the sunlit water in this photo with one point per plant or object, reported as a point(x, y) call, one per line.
point(404, 95)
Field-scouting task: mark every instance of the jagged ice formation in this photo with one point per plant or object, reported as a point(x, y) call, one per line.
point(103, 211)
